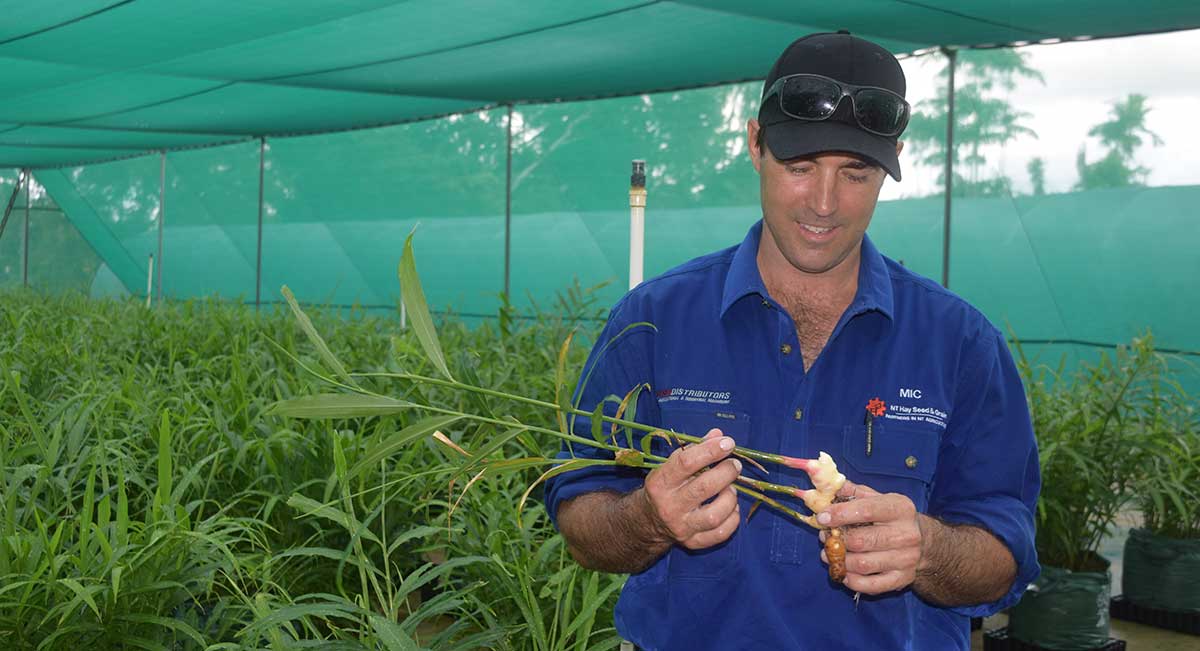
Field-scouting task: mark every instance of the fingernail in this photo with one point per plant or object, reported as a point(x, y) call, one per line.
point(727, 443)
point(737, 464)
point(824, 518)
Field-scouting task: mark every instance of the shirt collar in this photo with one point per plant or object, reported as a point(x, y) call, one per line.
point(743, 278)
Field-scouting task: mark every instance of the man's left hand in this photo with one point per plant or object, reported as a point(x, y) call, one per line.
point(882, 534)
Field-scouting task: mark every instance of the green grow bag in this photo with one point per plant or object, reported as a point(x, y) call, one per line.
point(1064, 610)
point(1161, 572)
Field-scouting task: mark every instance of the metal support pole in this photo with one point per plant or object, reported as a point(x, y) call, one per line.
point(162, 215)
point(25, 246)
point(952, 55)
point(262, 156)
point(12, 199)
point(508, 207)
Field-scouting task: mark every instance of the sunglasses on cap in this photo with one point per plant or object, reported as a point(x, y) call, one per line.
point(815, 97)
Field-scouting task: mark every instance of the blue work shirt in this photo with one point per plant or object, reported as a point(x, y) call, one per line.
point(954, 435)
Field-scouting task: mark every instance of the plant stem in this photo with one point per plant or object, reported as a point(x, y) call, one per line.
point(806, 519)
point(748, 452)
point(767, 486)
point(761, 485)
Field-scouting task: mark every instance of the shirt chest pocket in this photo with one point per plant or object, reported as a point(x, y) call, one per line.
point(719, 560)
point(891, 458)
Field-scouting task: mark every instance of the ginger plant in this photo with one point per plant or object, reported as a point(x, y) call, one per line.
point(354, 401)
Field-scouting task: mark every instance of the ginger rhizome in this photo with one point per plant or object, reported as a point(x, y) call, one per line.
point(826, 481)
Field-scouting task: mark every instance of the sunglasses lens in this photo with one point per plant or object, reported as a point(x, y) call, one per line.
point(810, 98)
point(880, 112)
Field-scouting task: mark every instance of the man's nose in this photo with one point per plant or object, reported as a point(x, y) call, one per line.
point(823, 200)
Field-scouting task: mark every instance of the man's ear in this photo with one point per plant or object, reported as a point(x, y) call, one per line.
point(899, 147)
point(752, 129)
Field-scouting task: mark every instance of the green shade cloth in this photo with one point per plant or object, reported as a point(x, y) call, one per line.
point(93, 81)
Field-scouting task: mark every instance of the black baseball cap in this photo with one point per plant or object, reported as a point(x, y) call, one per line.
point(847, 59)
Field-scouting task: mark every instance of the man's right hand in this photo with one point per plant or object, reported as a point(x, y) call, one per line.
point(675, 494)
point(628, 532)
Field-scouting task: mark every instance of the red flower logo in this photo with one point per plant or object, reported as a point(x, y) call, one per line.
point(876, 407)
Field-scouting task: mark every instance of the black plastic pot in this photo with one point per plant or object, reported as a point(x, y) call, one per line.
point(1161, 573)
point(1064, 610)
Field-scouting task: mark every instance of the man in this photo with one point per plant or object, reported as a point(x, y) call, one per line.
point(805, 339)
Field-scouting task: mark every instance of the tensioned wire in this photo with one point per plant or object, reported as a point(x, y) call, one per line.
point(65, 23)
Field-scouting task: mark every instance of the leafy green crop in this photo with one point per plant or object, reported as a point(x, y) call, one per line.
point(149, 501)
point(1104, 436)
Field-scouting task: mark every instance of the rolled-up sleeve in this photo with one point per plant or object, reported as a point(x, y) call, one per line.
point(988, 474)
point(621, 359)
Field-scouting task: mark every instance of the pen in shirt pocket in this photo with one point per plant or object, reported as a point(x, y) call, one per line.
point(869, 423)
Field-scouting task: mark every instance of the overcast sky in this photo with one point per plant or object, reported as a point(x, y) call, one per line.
point(1082, 80)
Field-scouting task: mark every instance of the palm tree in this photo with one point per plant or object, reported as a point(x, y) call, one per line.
point(1121, 134)
point(982, 117)
point(1037, 175)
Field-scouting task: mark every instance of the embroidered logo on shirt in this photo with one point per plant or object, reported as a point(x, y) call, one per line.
point(876, 407)
point(694, 395)
point(922, 414)
point(914, 413)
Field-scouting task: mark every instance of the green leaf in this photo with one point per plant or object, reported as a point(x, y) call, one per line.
point(339, 457)
point(648, 441)
point(466, 369)
point(340, 555)
point(81, 594)
point(600, 353)
point(85, 517)
point(116, 582)
point(631, 458)
point(122, 535)
point(306, 325)
point(393, 637)
point(348, 522)
point(565, 407)
point(598, 423)
point(1181, 509)
point(430, 572)
point(568, 466)
point(162, 496)
point(492, 447)
point(142, 643)
point(104, 508)
point(593, 601)
point(418, 311)
point(165, 622)
point(280, 616)
point(339, 405)
point(631, 398)
point(587, 376)
point(390, 445)
point(423, 531)
point(560, 381)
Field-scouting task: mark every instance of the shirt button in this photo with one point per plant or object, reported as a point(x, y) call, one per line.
point(786, 349)
point(799, 414)
point(911, 461)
